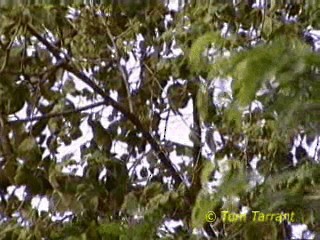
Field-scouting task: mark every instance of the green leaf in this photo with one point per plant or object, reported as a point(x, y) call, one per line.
point(267, 26)
point(110, 230)
point(130, 204)
point(202, 43)
point(203, 102)
point(207, 170)
point(203, 205)
point(29, 151)
point(69, 86)
point(264, 230)
point(152, 190)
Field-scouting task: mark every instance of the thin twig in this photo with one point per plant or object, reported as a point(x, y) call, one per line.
point(58, 114)
point(122, 70)
point(166, 124)
point(315, 156)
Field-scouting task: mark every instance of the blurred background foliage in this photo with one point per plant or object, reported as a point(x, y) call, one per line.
point(248, 70)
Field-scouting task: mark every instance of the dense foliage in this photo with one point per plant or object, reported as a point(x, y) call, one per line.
point(122, 71)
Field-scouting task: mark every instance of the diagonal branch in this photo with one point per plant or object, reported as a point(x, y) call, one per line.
point(197, 158)
point(109, 101)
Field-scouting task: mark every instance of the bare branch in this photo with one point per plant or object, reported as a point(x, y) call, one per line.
point(58, 114)
point(197, 159)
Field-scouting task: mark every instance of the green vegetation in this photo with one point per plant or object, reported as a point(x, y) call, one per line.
point(265, 54)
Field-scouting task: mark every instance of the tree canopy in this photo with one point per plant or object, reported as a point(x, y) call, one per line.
point(86, 97)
